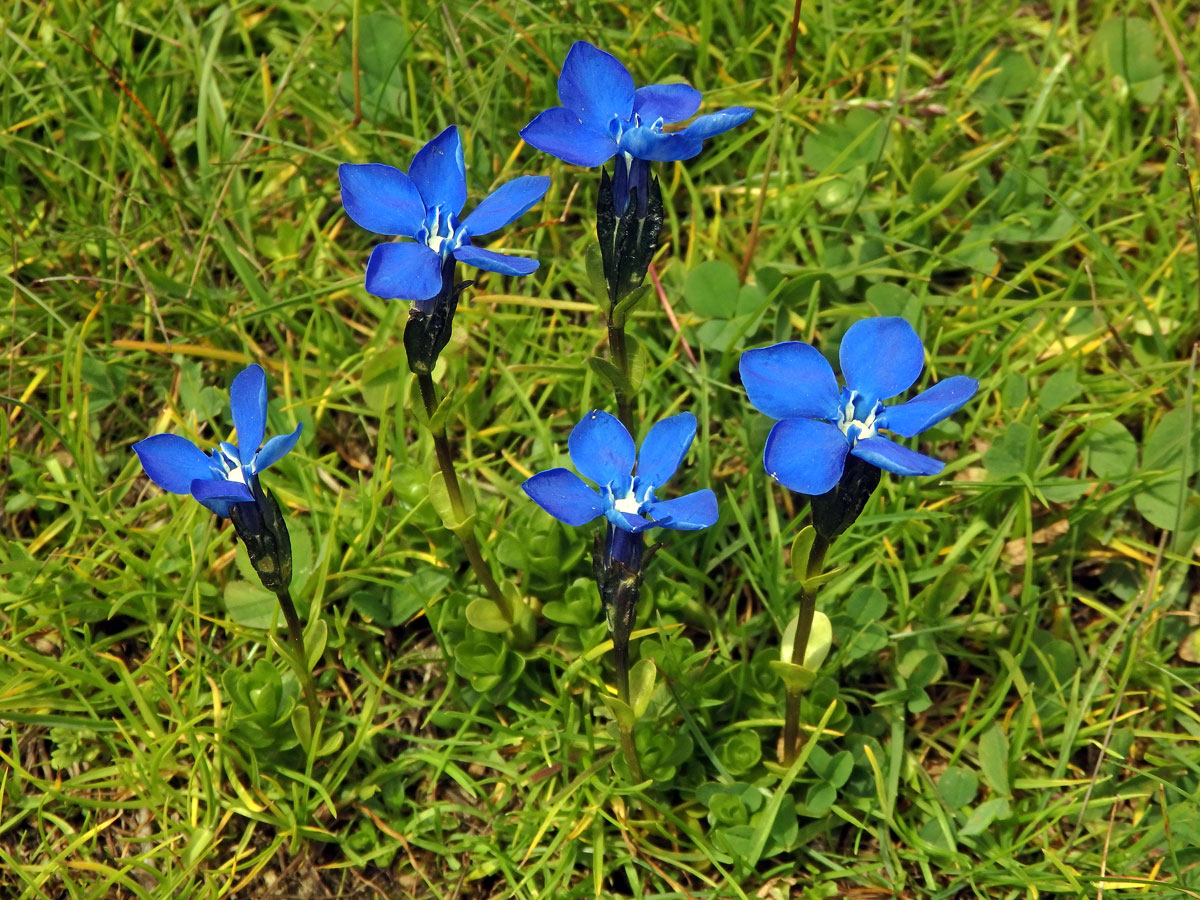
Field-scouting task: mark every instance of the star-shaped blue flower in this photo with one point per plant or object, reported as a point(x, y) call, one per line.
point(175, 464)
point(424, 205)
point(602, 115)
point(819, 425)
point(603, 451)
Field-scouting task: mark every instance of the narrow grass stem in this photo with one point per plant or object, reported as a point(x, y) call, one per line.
point(445, 459)
point(296, 638)
point(808, 608)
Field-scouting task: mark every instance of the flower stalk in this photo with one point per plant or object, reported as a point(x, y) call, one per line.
point(464, 530)
point(804, 621)
point(629, 218)
point(617, 564)
point(262, 529)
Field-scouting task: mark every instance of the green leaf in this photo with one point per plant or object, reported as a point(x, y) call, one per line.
point(1012, 76)
point(250, 605)
point(795, 678)
point(1112, 451)
point(841, 146)
point(595, 270)
point(315, 639)
point(641, 685)
point(1129, 49)
point(993, 759)
point(610, 375)
point(957, 787)
point(382, 42)
point(818, 799)
point(741, 752)
point(1009, 454)
point(750, 298)
point(485, 615)
point(820, 639)
point(801, 550)
point(984, 815)
point(722, 334)
point(621, 712)
point(628, 303)
point(440, 498)
point(382, 376)
point(711, 290)
point(1165, 450)
point(1058, 390)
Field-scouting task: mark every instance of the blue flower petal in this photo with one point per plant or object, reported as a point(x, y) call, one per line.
point(691, 512)
point(715, 123)
point(439, 174)
point(601, 448)
point(595, 86)
point(218, 494)
point(929, 407)
point(669, 102)
point(561, 493)
point(495, 262)
point(805, 456)
point(276, 449)
point(656, 146)
point(506, 204)
point(663, 449)
point(559, 132)
point(172, 462)
point(381, 199)
point(404, 271)
point(790, 380)
point(627, 521)
point(889, 455)
point(881, 357)
point(248, 397)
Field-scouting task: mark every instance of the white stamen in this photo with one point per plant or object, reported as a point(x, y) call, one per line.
point(628, 504)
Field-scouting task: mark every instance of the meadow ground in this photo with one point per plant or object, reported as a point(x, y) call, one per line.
point(1010, 707)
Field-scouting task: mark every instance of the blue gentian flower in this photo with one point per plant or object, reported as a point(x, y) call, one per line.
point(818, 425)
point(226, 476)
point(602, 115)
point(602, 450)
point(424, 205)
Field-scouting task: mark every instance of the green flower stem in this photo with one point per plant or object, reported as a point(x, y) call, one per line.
point(621, 660)
point(808, 607)
point(445, 459)
point(296, 636)
point(630, 749)
point(620, 359)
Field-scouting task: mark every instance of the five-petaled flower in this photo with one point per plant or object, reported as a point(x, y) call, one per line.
point(424, 205)
point(225, 477)
point(880, 358)
point(603, 451)
point(602, 115)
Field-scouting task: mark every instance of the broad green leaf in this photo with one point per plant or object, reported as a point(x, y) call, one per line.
point(485, 615)
point(641, 685)
point(1129, 48)
point(957, 787)
point(993, 759)
point(1009, 454)
point(1112, 451)
point(711, 290)
point(251, 605)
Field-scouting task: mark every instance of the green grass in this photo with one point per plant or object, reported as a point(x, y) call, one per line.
point(1010, 707)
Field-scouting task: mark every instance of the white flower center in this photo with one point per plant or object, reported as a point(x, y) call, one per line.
point(441, 234)
point(628, 504)
point(854, 428)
